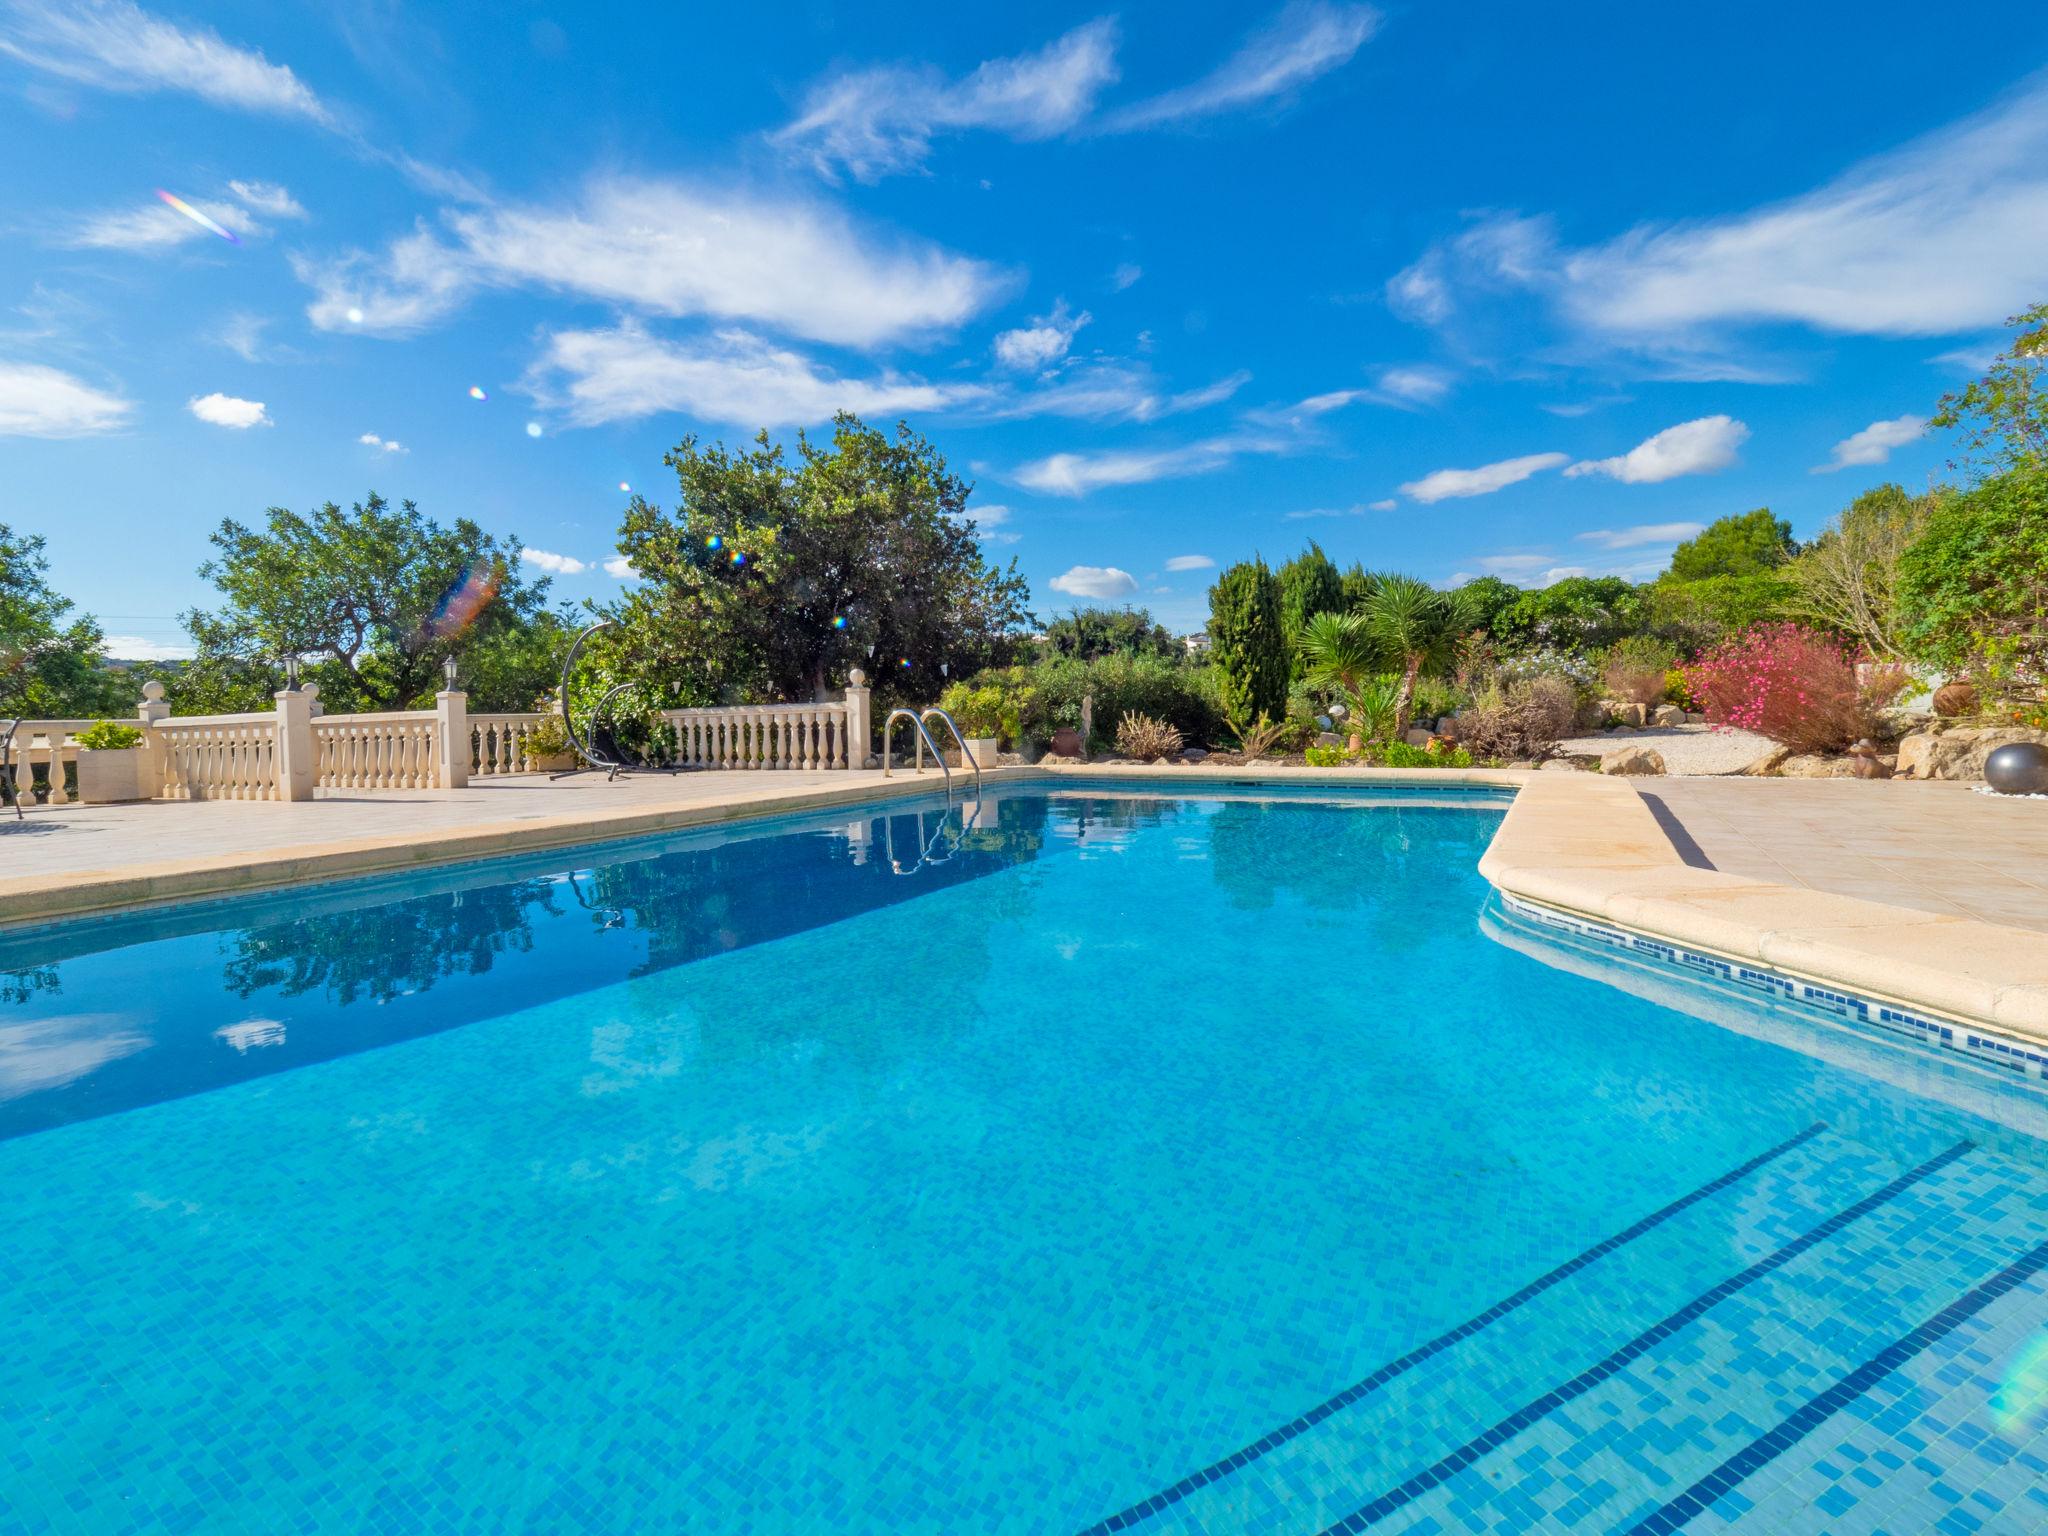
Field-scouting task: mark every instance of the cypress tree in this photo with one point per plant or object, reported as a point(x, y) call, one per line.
point(1248, 643)
point(1309, 585)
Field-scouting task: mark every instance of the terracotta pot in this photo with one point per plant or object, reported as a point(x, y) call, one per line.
point(1066, 742)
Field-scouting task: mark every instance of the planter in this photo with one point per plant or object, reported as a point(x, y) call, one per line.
point(552, 762)
point(1066, 741)
point(109, 775)
point(985, 750)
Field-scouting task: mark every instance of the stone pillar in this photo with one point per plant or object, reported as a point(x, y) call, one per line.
point(860, 729)
point(313, 705)
point(152, 708)
point(295, 766)
point(451, 733)
point(149, 770)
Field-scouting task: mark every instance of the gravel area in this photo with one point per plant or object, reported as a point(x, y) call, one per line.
point(1689, 750)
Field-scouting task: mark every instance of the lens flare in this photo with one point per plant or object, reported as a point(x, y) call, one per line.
point(355, 316)
point(533, 429)
point(2020, 1405)
point(624, 487)
point(906, 661)
point(839, 622)
point(476, 392)
point(462, 602)
point(738, 558)
point(713, 542)
point(196, 216)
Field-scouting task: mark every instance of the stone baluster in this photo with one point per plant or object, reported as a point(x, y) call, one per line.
point(857, 738)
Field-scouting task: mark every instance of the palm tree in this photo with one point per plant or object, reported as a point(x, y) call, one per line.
point(1412, 625)
point(1339, 651)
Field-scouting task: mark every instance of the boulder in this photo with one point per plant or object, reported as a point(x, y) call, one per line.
point(1638, 761)
point(1668, 714)
point(1636, 716)
point(1767, 765)
point(1192, 754)
point(1592, 715)
point(1560, 765)
point(1812, 766)
point(1958, 753)
point(1417, 736)
point(1327, 739)
point(1695, 717)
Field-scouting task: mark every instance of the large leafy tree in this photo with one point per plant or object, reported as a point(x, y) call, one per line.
point(771, 578)
point(1848, 578)
point(1579, 613)
point(1974, 585)
point(1248, 644)
point(50, 662)
point(374, 599)
point(1741, 544)
point(2003, 417)
point(1087, 634)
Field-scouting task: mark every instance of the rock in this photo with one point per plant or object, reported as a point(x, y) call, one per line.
point(1668, 714)
point(1327, 739)
point(1417, 737)
point(1192, 754)
point(1059, 757)
point(1591, 716)
point(1448, 726)
point(1560, 765)
point(1767, 765)
point(1956, 698)
point(1812, 766)
point(1958, 752)
point(1635, 716)
point(1639, 761)
point(1695, 717)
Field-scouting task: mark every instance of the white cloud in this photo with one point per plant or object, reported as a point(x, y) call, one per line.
point(1643, 533)
point(268, 197)
point(875, 122)
point(622, 568)
point(142, 648)
point(1191, 563)
point(381, 444)
point(623, 374)
point(1419, 384)
point(1109, 390)
point(36, 401)
point(1127, 273)
point(1307, 40)
point(1099, 581)
point(228, 411)
point(1526, 570)
point(1691, 448)
point(1442, 484)
point(1387, 505)
point(117, 46)
point(242, 334)
point(554, 564)
point(1076, 474)
point(1045, 341)
point(155, 226)
point(665, 248)
point(990, 516)
point(1874, 444)
point(1939, 236)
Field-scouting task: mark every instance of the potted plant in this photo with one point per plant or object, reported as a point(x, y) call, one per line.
point(978, 711)
point(112, 764)
point(547, 747)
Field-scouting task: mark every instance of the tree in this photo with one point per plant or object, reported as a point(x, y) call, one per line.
point(1848, 578)
point(2004, 415)
point(771, 578)
point(1579, 613)
point(376, 600)
point(1489, 598)
point(1248, 644)
point(1974, 585)
point(1309, 585)
point(50, 664)
point(1355, 587)
point(1086, 634)
point(1414, 625)
point(1741, 544)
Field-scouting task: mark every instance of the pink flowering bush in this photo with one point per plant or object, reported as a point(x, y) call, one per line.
point(1790, 683)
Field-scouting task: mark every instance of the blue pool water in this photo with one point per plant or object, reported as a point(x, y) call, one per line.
point(1221, 1162)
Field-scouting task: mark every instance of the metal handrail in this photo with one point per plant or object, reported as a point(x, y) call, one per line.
point(966, 756)
point(926, 736)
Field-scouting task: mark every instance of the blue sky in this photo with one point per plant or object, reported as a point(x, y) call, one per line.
point(1450, 288)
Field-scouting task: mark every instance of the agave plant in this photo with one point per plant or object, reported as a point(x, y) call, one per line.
point(1375, 706)
point(1413, 625)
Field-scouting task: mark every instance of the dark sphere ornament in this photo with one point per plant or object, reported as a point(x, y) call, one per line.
point(2018, 768)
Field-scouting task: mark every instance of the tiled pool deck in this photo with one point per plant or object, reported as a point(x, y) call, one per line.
point(1926, 893)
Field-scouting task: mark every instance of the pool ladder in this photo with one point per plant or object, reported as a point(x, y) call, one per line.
point(926, 854)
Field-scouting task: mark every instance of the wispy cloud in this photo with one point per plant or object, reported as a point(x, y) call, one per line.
point(153, 226)
point(1097, 581)
point(1076, 474)
point(113, 45)
point(1937, 237)
point(1874, 444)
point(1640, 535)
point(1416, 384)
point(382, 444)
point(269, 198)
point(623, 373)
point(228, 411)
point(1191, 563)
point(664, 248)
point(1307, 40)
point(1126, 274)
point(554, 564)
point(1043, 342)
point(1691, 448)
point(1445, 484)
point(876, 122)
point(38, 401)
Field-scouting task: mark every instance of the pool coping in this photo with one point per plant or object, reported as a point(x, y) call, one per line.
point(1591, 848)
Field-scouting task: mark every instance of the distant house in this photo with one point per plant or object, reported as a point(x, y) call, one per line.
point(1196, 643)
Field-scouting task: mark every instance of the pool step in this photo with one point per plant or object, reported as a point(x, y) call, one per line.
point(1307, 1472)
point(1697, 1397)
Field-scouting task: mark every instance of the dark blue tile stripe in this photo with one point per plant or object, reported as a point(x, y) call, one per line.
point(1530, 1413)
point(1126, 1518)
point(1766, 1448)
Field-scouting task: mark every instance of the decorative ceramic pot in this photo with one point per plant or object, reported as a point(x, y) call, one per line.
point(1066, 742)
point(2018, 768)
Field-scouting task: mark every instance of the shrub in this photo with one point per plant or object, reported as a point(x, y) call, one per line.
point(1635, 669)
point(547, 738)
point(1519, 718)
point(977, 707)
point(1037, 700)
point(1146, 739)
point(1399, 754)
point(1324, 757)
point(107, 735)
point(1679, 690)
point(1789, 683)
point(1248, 642)
point(1261, 737)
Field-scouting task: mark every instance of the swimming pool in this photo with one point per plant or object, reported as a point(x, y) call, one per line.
point(1227, 1161)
